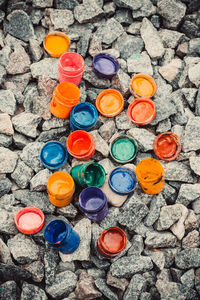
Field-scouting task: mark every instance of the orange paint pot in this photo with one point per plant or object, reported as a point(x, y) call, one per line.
point(110, 102)
point(167, 146)
point(80, 145)
point(56, 43)
point(65, 96)
point(142, 111)
point(111, 242)
point(60, 187)
point(143, 85)
point(150, 175)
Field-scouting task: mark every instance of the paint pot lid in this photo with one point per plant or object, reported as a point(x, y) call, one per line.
point(143, 85)
point(142, 111)
point(113, 239)
point(53, 48)
point(123, 149)
point(53, 155)
point(105, 65)
point(110, 102)
point(92, 199)
point(84, 114)
point(122, 180)
point(167, 146)
point(29, 220)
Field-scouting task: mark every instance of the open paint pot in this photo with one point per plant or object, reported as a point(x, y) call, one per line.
point(89, 174)
point(93, 203)
point(143, 85)
point(60, 187)
point(123, 149)
point(83, 116)
point(150, 175)
point(29, 220)
point(110, 102)
point(167, 146)
point(53, 155)
point(80, 145)
point(105, 65)
point(141, 111)
point(122, 180)
point(56, 43)
point(61, 236)
point(111, 242)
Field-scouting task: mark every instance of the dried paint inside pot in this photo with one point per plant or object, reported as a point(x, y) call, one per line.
point(143, 85)
point(61, 236)
point(111, 242)
point(53, 155)
point(83, 116)
point(89, 174)
point(167, 146)
point(123, 149)
point(29, 220)
point(105, 65)
point(141, 111)
point(93, 203)
point(122, 181)
point(56, 43)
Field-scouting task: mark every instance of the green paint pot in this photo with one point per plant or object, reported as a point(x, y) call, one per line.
point(123, 149)
point(89, 174)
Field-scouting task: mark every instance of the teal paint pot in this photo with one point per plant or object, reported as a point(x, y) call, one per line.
point(123, 149)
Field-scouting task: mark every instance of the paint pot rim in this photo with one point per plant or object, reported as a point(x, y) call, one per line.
point(149, 79)
point(143, 161)
point(76, 72)
point(70, 100)
point(83, 132)
point(127, 170)
point(92, 109)
point(56, 33)
point(176, 140)
point(49, 165)
point(26, 210)
point(117, 229)
point(85, 190)
point(119, 98)
point(67, 176)
point(51, 223)
point(110, 58)
point(102, 170)
point(133, 141)
point(138, 101)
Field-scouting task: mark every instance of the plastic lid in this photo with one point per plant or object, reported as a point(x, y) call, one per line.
point(122, 180)
point(105, 65)
point(167, 146)
point(123, 149)
point(29, 220)
point(110, 103)
point(56, 43)
point(143, 85)
point(53, 155)
point(142, 111)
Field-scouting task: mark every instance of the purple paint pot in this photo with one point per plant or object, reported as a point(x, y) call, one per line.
point(93, 203)
point(105, 65)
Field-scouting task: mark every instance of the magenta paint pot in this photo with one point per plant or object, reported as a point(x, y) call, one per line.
point(93, 203)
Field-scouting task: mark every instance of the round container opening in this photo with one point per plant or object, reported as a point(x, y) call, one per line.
point(149, 169)
point(53, 155)
point(69, 91)
point(72, 63)
point(123, 149)
point(122, 180)
point(29, 220)
point(110, 103)
point(60, 184)
point(142, 111)
point(143, 85)
point(79, 142)
point(56, 43)
point(105, 65)
point(55, 232)
point(167, 146)
point(114, 240)
point(92, 199)
point(94, 175)
point(84, 114)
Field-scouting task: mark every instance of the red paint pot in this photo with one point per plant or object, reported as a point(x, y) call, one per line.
point(71, 67)
point(29, 220)
point(111, 242)
point(80, 145)
point(167, 146)
point(142, 111)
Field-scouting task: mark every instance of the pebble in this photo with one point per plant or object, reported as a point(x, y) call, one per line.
point(60, 18)
point(104, 289)
point(111, 218)
point(87, 12)
point(197, 105)
point(41, 107)
point(107, 130)
point(143, 137)
point(51, 260)
point(178, 171)
point(170, 38)
point(188, 193)
point(100, 144)
point(170, 290)
point(195, 164)
point(188, 258)
point(160, 239)
point(128, 4)
point(134, 28)
point(5, 253)
point(172, 70)
point(194, 74)
point(65, 266)
point(42, 3)
point(169, 215)
point(147, 9)
point(7, 102)
point(68, 211)
point(19, 61)
point(46, 67)
point(109, 32)
point(137, 246)
point(85, 288)
point(6, 124)
point(26, 123)
point(11, 272)
point(35, 50)
point(124, 16)
point(8, 160)
point(32, 291)
point(36, 268)
point(158, 258)
point(118, 283)
point(55, 123)
point(22, 174)
point(140, 63)
point(9, 290)
point(178, 229)
point(191, 240)
point(121, 82)
point(191, 138)
point(31, 155)
point(39, 181)
point(157, 204)
point(92, 78)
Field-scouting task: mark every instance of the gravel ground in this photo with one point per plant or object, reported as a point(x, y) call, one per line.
point(162, 257)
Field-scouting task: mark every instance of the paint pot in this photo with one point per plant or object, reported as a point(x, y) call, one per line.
point(89, 174)
point(61, 236)
point(71, 67)
point(105, 65)
point(150, 175)
point(60, 187)
point(167, 146)
point(80, 144)
point(111, 242)
point(56, 43)
point(93, 203)
point(53, 155)
point(83, 116)
point(110, 102)
point(65, 96)
point(143, 85)
point(29, 220)
point(142, 111)
point(122, 180)
point(123, 149)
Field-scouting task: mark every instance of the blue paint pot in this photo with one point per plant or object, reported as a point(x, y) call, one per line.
point(53, 155)
point(83, 116)
point(105, 65)
point(93, 203)
point(122, 180)
point(61, 236)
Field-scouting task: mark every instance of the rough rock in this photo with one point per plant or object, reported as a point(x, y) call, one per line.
point(39, 181)
point(140, 63)
point(137, 246)
point(30, 291)
point(178, 229)
point(172, 70)
point(188, 279)
point(109, 32)
point(6, 124)
point(170, 38)
point(119, 283)
point(169, 215)
point(124, 16)
point(128, 4)
point(178, 171)
point(107, 130)
point(160, 239)
point(170, 290)
point(197, 104)
point(60, 18)
point(100, 144)
point(121, 82)
point(158, 258)
point(8, 160)
point(144, 138)
point(194, 74)
point(46, 86)
point(188, 258)
point(157, 204)
point(92, 78)
point(31, 155)
point(87, 12)
point(26, 123)
point(122, 122)
point(7, 224)
point(7, 102)
point(5, 256)
point(41, 107)
point(42, 3)
point(9, 290)
point(191, 138)
point(95, 46)
point(85, 288)
point(55, 123)
point(5, 186)
point(19, 61)
point(147, 9)
point(11, 272)
point(51, 260)
point(192, 240)
point(188, 193)
point(22, 174)
point(104, 289)
point(68, 211)
point(46, 67)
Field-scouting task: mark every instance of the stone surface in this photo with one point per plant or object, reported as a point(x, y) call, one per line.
point(68, 211)
point(194, 74)
point(169, 215)
point(147, 9)
point(36, 268)
point(170, 38)
point(30, 155)
point(109, 32)
point(39, 181)
point(8, 160)
point(144, 138)
point(119, 283)
point(41, 107)
point(19, 61)
point(191, 139)
point(178, 171)
point(100, 144)
point(171, 71)
point(137, 246)
point(5, 253)
point(26, 123)
point(6, 124)
point(85, 288)
point(104, 289)
point(160, 239)
point(121, 82)
point(51, 260)
point(136, 286)
point(87, 12)
point(188, 258)
point(46, 67)
point(33, 292)
point(170, 290)
point(5, 186)
point(60, 18)
point(9, 290)
point(140, 63)
point(7, 102)
point(22, 174)
point(188, 193)
point(107, 130)
point(157, 204)
point(192, 240)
